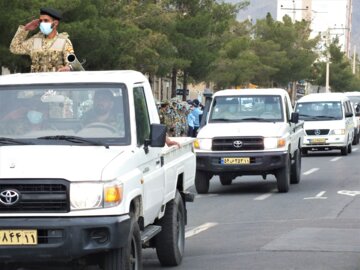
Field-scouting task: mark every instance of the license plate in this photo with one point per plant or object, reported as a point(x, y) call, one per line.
point(318, 140)
point(18, 237)
point(242, 160)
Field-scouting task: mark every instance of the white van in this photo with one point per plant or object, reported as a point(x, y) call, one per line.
point(328, 121)
point(355, 100)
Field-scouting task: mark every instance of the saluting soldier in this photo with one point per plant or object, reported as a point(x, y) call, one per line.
point(47, 49)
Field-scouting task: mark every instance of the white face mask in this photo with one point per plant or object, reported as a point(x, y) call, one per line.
point(45, 28)
point(35, 117)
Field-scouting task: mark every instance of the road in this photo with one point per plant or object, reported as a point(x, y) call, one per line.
point(250, 226)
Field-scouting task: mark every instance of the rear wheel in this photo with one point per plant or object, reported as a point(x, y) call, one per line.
point(225, 180)
point(128, 257)
point(296, 168)
point(202, 182)
point(283, 176)
point(170, 242)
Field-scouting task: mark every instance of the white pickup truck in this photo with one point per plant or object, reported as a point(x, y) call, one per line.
point(249, 132)
point(85, 176)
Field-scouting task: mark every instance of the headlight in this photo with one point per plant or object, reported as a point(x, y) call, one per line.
point(273, 143)
point(203, 144)
point(95, 195)
point(337, 132)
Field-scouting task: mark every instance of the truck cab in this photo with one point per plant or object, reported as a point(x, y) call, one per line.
point(249, 132)
point(85, 175)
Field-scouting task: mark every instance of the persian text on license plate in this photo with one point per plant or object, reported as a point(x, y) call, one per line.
point(18, 237)
point(242, 160)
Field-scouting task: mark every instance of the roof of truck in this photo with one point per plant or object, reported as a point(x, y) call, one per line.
point(113, 76)
point(257, 91)
point(323, 97)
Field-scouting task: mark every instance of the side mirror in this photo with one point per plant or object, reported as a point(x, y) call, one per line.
point(157, 137)
point(294, 118)
point(350, 114)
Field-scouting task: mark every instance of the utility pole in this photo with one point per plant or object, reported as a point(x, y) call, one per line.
point(354, 60)
point(327, 42)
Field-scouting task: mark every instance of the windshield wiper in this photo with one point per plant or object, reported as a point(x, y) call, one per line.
point(5, 140)
point(306, 115)
point(326, 116)
point(223, 119)
point(74, 139)
point(252, 119)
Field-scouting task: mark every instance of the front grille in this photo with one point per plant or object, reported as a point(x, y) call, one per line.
point(242, 143)
point(37, 196)
point(315, 132)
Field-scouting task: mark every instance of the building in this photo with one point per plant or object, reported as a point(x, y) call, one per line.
point(329, 18)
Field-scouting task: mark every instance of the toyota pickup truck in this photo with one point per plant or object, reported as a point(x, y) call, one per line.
point(85, 175)
point(248, 132)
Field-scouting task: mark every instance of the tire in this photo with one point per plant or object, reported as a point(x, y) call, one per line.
point(355, 139)
point(304, 151)
point(202, 182)
point(283, 176)
point(344, 151)
point(170, 242)
point(349, 149)
point(225, 180)
point(296, 169)
point(128, 257)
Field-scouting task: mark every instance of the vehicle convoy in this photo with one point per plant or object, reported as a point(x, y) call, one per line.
point(249, 132)
point(85, 176)
point(328, 122)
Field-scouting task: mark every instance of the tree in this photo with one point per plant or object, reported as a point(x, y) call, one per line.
point(341, 77)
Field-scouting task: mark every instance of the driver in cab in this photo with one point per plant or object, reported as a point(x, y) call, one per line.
point(102, 111)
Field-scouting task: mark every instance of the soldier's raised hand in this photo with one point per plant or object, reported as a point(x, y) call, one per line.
point(32, 25)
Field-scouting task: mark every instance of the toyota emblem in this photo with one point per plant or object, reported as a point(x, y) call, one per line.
point(238, 144)
point(317, 132)
point(9, 197)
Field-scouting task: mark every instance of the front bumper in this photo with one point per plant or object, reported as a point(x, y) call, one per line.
point(325, 142)
point(65, 239)
point(260, 162)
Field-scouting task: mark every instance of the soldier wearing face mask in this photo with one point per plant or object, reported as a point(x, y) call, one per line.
point(47, 49)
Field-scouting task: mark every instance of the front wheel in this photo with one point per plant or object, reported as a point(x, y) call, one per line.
point(128, 257)
point(170, 242)
point(202, 182)
point(283, 176)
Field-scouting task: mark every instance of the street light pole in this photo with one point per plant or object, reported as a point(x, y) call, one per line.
point(327, 86)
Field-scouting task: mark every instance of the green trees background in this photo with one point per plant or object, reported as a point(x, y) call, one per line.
point(194, 40)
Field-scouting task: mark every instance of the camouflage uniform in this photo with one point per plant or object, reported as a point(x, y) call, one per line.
point(46, 54)
point(173, 115)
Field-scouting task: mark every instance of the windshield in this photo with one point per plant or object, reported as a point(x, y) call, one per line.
point(246, 108)
point(93, 114)
point(318, 111)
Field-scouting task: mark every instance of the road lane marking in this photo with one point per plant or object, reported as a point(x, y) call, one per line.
point(355, 149)
point(310, 171)
point(264, 196)
point(200, 229)
point(318, 196)
point(336, 159)
point(205, 196)
point(352, 193)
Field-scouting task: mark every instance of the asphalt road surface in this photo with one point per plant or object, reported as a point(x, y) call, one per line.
point(250, 226)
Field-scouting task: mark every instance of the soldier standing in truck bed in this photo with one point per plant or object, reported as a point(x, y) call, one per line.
point(47, 49)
